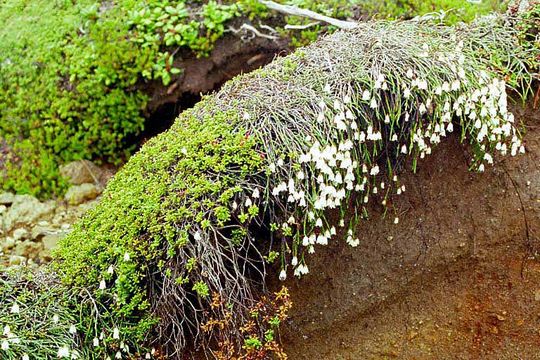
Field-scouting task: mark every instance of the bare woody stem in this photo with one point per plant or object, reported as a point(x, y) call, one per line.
point(295, 11)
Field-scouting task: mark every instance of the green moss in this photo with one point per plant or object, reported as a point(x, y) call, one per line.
point(138, 227)
point(63, 87)
point(454, 10)
point(67, 78)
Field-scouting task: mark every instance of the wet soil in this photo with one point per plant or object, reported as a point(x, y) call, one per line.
point(457, 278)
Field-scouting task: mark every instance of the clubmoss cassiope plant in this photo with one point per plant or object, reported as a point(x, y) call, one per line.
point(254, 169)
point(36, 320)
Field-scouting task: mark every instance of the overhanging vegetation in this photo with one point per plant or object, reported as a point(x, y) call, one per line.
point(176, 251)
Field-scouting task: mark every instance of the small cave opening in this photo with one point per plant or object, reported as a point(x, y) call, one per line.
point(165, 114)
point(230, 57)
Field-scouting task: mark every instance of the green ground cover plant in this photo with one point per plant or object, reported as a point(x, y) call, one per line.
point(69, 79)
point(448, 11)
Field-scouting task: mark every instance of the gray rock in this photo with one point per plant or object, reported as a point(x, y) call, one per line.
point(80, 193)
point(16, 260)
point(81, 172)
point(8, 243)
point(26, 209)
point(39, 231)
point(28, 249)
point(50, 242)
point(7, 198)
point(20, 234)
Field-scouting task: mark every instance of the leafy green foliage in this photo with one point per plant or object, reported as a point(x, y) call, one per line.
point(68, 80)
point(172, 24)
point(63, 81)
point(453, 10)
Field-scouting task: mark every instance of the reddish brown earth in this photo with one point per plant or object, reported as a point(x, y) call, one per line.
point(232, 55)
point(458, 278)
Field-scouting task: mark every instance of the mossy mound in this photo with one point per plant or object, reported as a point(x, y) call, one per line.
point(248, 176)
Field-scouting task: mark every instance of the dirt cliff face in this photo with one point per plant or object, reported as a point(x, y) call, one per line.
point(457, 278)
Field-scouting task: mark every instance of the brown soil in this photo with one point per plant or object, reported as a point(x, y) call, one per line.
point(456, 279)
point(231, 56)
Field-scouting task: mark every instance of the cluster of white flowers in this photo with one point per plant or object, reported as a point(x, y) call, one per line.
point(123, 348)
point(481, 106)
point(9, 338)
point(344, 162)
point(66, 352)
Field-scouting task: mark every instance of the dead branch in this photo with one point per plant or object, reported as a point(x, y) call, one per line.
point(295, 11)
point(301, 27)
point(254, 31)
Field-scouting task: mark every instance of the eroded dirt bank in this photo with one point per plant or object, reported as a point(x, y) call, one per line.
point(456, 279)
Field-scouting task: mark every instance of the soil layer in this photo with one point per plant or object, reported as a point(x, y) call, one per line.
point(457, 278)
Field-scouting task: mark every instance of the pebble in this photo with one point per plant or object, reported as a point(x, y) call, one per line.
point(20, 234)
point(8, 243)
point(30, 229)
point(34, 235)
point(16, 260)
point(7, 198)
point(80, 193)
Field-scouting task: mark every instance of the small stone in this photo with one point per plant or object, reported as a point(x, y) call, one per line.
point(81, 172)
point(28, 249)
point(39, 231)
point(8, 243)
point(15, 260)
point(26, 209)
point(7, 198)
point(20, 234)
point(3, 209)
point(50, 242)
point(43, 223)
point(81, 193)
